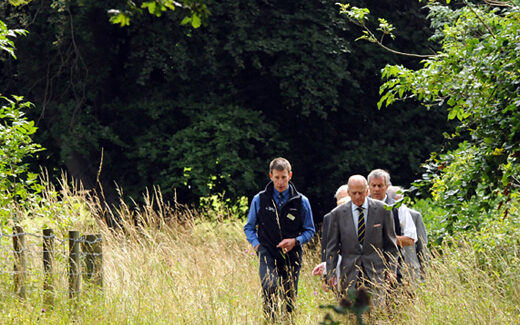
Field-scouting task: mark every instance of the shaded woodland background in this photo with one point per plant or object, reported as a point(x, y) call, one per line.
point(203, 111)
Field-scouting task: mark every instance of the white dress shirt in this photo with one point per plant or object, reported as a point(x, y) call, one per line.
point(405, 220)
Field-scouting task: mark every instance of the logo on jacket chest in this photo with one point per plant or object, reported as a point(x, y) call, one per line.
point(270, 208)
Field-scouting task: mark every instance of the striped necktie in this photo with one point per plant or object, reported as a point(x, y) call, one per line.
point(361, 225)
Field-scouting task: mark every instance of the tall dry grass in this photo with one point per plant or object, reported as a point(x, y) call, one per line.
point(171, 265)
point(162, 265)
point(461, 289)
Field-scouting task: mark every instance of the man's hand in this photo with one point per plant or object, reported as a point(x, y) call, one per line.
point(256, 247)
point(287, 244)
point(319, 269)
point(332, 282)
point(403, 241)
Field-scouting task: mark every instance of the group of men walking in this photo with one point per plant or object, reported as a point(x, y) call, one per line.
point(365, 240)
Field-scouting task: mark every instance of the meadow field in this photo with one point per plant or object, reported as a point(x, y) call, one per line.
point(181, 266)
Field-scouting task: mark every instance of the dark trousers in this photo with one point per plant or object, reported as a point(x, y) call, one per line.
point(279, 278)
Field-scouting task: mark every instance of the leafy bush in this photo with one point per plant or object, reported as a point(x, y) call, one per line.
point(6, 44)
point(25, 198)
point(475, 75)
point(501, 236)
point(18, 185)
point(211, 155)
point(217, 207)
point(460, 190)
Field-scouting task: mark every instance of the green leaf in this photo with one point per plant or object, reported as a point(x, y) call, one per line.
point(195, 21)
point(150, 5)
point(118, 17)
point(451, 101)
point(185, 20)
point(452, 114)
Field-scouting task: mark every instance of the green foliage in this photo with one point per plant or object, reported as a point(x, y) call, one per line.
point(213, 156)
point(194, 20)
point(18, 185)
point(219, 208)
point(197, 11)
point(7, 44)
point(475, 76)
point(498, 235)
point(62, 209)
point(356, 302)
point(288, 66)
point(434, 219)
point(355, 14)
point(23, 198)
point(19, 2)
point(361, 17)
point(466, 196)
point(121, 18)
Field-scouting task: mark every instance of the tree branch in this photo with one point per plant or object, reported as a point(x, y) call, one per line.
point(380, 43)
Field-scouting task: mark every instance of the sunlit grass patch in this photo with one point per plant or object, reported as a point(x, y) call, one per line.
point(173, 265)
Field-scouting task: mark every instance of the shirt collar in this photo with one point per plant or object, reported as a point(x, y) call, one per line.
point(364, 205)
point(284, 193)
point(383, 200)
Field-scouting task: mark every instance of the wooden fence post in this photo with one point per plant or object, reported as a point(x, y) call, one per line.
point(74, 263)
point(48, 261)
point(93, 248)
point(19, 261)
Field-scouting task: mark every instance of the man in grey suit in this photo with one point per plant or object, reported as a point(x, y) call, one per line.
point(341, 197)
point(406, 234)
point(415, 256)
point(362, 232)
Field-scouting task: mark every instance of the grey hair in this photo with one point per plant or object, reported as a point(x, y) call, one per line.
point(358, 178)
point(379, 173)
point(341, 188)
point(392, 191)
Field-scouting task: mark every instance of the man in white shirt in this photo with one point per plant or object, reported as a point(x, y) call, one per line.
point(415, 256)
point(406, 232)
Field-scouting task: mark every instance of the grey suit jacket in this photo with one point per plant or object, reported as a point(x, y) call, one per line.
point(379, 250)
point(416, 256)
point(324, 232)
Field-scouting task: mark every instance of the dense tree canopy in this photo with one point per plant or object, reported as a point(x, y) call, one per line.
point(204, 110)
point(475, 76)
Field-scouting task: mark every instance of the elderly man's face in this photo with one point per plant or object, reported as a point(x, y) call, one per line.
point(358, 192)
point(342, 197)
point(378, 188)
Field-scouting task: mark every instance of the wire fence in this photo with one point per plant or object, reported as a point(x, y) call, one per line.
point(44, 264)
